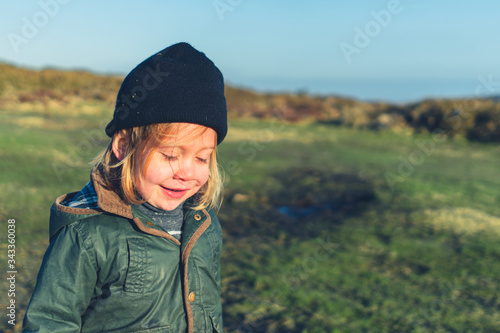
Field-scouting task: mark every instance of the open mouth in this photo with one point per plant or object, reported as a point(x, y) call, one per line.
point(174, 192)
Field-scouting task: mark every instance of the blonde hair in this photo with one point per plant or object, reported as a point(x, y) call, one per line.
point(119, 175)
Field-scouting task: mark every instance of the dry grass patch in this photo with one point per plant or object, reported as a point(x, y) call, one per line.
point(461, 220)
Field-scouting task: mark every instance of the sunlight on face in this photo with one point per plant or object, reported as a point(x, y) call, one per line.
point(176, 172)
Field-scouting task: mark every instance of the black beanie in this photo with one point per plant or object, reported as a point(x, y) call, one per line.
point(177, 84)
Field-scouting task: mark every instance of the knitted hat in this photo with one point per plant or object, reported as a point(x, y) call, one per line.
point(178, 84)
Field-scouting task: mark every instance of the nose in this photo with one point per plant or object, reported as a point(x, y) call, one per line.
point(186, 170)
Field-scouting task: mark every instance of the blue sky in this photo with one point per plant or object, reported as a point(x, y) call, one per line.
point(397, 51)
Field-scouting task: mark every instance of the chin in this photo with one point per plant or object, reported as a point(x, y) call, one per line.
point(171, 205)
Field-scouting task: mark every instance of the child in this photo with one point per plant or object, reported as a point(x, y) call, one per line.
point(138, 248)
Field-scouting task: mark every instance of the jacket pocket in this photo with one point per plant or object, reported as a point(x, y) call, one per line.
point(137, 267)
point(216, 324)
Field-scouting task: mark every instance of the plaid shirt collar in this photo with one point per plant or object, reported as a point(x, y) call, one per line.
point(86, 198)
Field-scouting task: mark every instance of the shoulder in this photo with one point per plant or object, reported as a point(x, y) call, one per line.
point(214, 230)
point(214, 221)
point(105, 224)
point(96, 228)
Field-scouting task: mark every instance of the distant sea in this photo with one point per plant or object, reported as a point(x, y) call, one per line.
point(386, 90)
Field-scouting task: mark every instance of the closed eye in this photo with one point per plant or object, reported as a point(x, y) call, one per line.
point(169, 157)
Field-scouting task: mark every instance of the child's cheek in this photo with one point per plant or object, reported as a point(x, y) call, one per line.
point(204, 176)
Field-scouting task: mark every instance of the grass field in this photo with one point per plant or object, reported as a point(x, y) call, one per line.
point(327, 229)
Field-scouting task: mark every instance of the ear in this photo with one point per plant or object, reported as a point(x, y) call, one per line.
point(119, 145)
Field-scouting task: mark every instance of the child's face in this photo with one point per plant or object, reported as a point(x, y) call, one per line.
point(175, 173)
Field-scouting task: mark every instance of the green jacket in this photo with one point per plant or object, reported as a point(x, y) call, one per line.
point(112, 270)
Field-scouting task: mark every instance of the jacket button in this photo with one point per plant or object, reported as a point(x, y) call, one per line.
point(151, 224)
point(192, 297)
point(197, 217)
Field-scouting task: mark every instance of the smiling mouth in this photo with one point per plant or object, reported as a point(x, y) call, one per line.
point(174, 192)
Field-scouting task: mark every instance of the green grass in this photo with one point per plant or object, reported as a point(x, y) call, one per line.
point(394, 268)
point(417, 255)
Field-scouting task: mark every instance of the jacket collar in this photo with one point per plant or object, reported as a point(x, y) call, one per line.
point(107, 199)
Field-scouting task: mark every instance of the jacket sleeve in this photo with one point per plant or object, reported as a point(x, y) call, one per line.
point(217, 258)
point(64, 286)
point(221, 322)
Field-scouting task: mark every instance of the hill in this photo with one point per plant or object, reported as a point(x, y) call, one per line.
point(475, 119)
point(327, 228)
